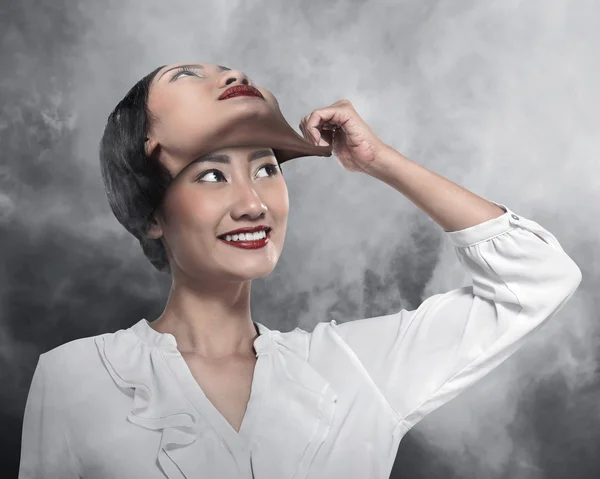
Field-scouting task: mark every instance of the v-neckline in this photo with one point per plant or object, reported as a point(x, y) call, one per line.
point(238, 440)
point(193, 430)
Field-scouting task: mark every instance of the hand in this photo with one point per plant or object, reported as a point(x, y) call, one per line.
point(355, 145)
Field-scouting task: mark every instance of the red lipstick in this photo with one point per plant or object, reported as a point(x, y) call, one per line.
point(261, 243)
point(240, 90)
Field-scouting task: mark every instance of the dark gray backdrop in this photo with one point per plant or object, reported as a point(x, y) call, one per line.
point(500, 97)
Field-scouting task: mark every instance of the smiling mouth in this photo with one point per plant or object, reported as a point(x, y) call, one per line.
point(247, 242)
point(266, 229)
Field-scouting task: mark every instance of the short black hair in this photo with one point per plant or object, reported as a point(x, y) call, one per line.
point(135, 183)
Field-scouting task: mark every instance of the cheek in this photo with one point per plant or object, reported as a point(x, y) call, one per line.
point(279, 200)
point(184, 118)
point(193, 214)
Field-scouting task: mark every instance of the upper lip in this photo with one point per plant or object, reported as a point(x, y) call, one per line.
point(241, 88)
point(248, 229)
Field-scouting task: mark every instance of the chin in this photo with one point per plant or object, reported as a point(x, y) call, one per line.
point(257, 272)
point(254, 272)
point(255, 108)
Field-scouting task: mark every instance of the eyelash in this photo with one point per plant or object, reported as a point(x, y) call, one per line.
point(183, 69)
point(274, 172)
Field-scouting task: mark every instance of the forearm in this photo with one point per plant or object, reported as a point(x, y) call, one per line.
point(448, 204)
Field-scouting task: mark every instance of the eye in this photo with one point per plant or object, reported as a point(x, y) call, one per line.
point(184, 70)
point(271, 169)
point(214, 175)
point(209, 173)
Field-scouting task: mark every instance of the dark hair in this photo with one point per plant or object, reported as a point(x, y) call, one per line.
point(135, 183)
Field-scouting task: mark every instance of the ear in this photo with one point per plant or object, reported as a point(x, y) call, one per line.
point(155, 230)
point(150, 146)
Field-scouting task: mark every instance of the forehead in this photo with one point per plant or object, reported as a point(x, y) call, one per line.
point(208, 67)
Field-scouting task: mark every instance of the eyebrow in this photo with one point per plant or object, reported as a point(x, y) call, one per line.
point(222, 158)
point(193, 65)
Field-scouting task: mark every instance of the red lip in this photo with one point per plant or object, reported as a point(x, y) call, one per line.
point(261, 243)
point(240, 90)
point(252, 229)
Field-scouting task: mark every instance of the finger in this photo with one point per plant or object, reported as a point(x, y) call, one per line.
point(302, 127)
point(333, 116)
point(305, 132)
point(326, 138)
point(312, 125)
point(308, 135)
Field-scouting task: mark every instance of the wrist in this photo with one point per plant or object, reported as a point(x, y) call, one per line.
point(383, 162)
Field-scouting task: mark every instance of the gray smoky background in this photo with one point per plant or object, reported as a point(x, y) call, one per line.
point(500, 97)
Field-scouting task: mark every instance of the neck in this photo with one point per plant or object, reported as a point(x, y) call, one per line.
point(210, 320)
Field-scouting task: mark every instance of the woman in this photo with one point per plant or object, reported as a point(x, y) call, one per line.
point(206, 392)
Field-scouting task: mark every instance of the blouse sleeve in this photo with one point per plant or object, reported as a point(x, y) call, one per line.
point(421, 359)
point(45, 452)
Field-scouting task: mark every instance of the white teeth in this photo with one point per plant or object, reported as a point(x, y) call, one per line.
point(247, 236)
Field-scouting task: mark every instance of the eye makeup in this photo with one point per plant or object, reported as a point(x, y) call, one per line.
point(184, 69)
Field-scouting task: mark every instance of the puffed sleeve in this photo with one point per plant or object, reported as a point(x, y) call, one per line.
point(45, 452)
point(421, 359)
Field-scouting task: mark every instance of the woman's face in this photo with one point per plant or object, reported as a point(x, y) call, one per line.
point(226, 189)
point(191, 120)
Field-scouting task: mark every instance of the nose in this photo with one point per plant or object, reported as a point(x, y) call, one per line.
point(248, 203)
point(235, 77)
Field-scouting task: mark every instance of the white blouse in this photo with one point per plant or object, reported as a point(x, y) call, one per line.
point(331, 404)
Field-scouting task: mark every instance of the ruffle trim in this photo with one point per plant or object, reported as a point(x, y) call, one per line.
point(150, 381)
point(135, 363)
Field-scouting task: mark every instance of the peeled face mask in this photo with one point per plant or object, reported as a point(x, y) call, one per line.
point(263, 127)
point(194, 122)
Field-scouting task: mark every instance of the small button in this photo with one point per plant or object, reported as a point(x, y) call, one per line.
point(515, 217)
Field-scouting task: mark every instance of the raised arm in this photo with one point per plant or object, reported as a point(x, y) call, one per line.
point(357, 148)
point(521, 277)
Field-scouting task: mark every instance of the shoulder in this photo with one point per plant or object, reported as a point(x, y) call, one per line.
point(71, 352)
point(322, 342)
point(303, 343)
point(77, 361)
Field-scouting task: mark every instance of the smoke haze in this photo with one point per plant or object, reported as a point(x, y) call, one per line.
point(500, 97)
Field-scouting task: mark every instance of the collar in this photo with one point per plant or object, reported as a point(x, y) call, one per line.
point(166, 341)
point(291, 395)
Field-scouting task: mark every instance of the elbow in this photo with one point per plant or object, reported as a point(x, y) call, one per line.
point(568, 275)
point(574, 277)
point(555, 291)
point(567, 281)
